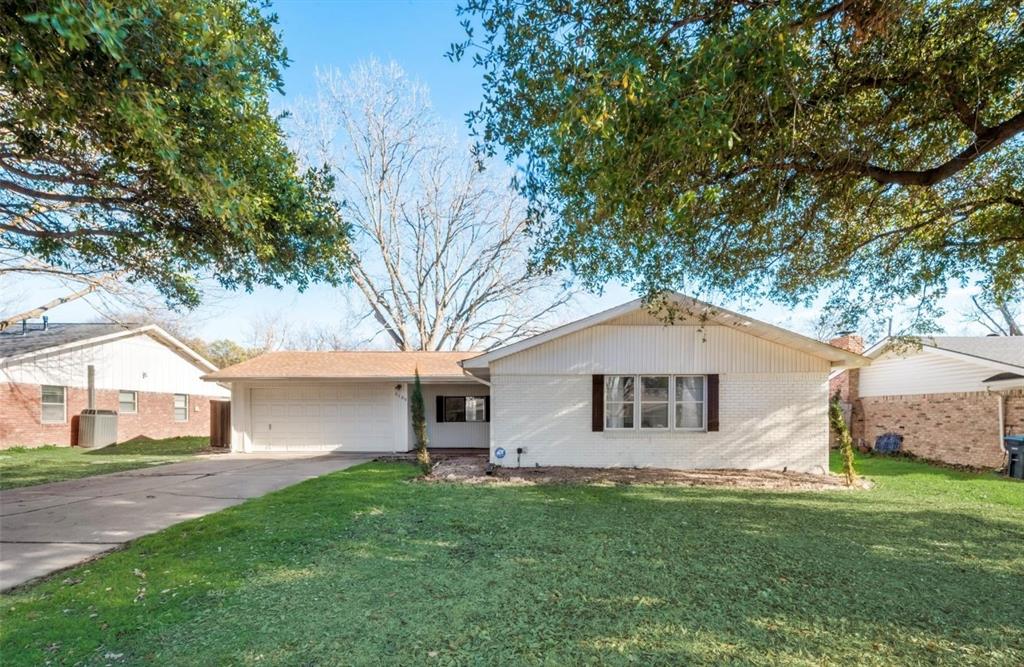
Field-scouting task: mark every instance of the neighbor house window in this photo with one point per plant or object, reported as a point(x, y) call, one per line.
point(689, 401)
point(462, 409)
point(54, 402)
point(619, 399)
point(181, 407)
point(127, 402)
point(654, 401)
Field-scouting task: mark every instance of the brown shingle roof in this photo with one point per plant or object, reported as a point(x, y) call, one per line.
point(346, 365)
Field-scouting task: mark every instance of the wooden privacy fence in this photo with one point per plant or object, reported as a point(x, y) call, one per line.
point(220, 423)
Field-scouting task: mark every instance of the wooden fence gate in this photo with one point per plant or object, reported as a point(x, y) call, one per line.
point(220, 423)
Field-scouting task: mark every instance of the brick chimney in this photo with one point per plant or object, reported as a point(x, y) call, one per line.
point(847, 383)
point(849, 341)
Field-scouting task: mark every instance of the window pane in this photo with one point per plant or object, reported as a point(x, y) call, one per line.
point(618, 415)
point(689, 415)
point(126, 401)
point(455, 408)
point(53, 413)
point(476, 409)
point(654, 388)
point(52, 394)
point(618, 388)
point(654, 416)
point(690, 388)
point(181, 407)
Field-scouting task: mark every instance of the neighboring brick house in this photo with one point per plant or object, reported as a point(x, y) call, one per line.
point(149, 377)
point(952, 398)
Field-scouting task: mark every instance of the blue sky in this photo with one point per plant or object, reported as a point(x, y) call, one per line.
point(340, 33)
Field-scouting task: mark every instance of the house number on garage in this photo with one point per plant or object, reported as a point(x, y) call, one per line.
point(499, 453)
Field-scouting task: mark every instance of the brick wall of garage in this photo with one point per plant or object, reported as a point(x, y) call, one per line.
point(21, 425)
point(957, 428)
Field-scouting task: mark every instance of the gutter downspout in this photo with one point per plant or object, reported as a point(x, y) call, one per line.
point(475, 378)
point(490, 441)
point(1001, 398)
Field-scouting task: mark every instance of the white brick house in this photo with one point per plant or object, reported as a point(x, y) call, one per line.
point(714, 389)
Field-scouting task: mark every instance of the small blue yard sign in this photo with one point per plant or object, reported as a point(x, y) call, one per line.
point(499, 453)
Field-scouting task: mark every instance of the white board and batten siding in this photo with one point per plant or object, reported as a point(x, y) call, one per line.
point(136, 363)
point(773, 400)
point(319, 417)
point(922, 371)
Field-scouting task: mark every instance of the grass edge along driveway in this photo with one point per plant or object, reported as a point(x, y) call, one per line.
point(28, 466)
point(365, 567)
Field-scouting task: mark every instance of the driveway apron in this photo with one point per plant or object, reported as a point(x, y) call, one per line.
point(50, 527)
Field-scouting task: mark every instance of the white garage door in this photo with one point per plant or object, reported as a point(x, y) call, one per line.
point(353, 417)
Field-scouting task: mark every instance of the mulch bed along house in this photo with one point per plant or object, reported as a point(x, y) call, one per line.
point(474, 470)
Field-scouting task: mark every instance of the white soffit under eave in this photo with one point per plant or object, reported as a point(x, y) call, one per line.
point(715, 315)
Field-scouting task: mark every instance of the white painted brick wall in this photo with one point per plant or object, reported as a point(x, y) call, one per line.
point(767, 421)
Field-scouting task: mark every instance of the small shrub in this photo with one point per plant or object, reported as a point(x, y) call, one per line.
point(842, 432)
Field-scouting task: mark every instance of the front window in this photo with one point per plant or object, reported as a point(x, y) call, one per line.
point(54, 404)
point(127, 402)
point(690, 402)
point(655, 402)
point(464, 409)
point(181, 407)
point(619, 398)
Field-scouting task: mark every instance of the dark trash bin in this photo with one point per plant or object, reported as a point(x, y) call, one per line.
point(1014, 445)
point(888, 443)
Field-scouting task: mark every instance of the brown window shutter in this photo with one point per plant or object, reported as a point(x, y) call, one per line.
point(440, 409)
point(712, 402)
point(597, 403)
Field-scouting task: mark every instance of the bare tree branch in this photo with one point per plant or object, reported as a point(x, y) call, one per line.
point(442, 250)
point(93, 285)
point(988, 308)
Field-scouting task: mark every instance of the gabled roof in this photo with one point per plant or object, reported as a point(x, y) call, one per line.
point(367, 365)
point(704, 312)
point(1003, 349)
point(1004, 353)
point(16, 346)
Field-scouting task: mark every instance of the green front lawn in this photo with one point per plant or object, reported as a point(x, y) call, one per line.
point(23, 466)
point(364, 567)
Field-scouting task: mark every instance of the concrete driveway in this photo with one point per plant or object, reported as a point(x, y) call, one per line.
point(52, 526)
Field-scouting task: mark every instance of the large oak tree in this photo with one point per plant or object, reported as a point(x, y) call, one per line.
point(136, 143)
point(871, 148)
